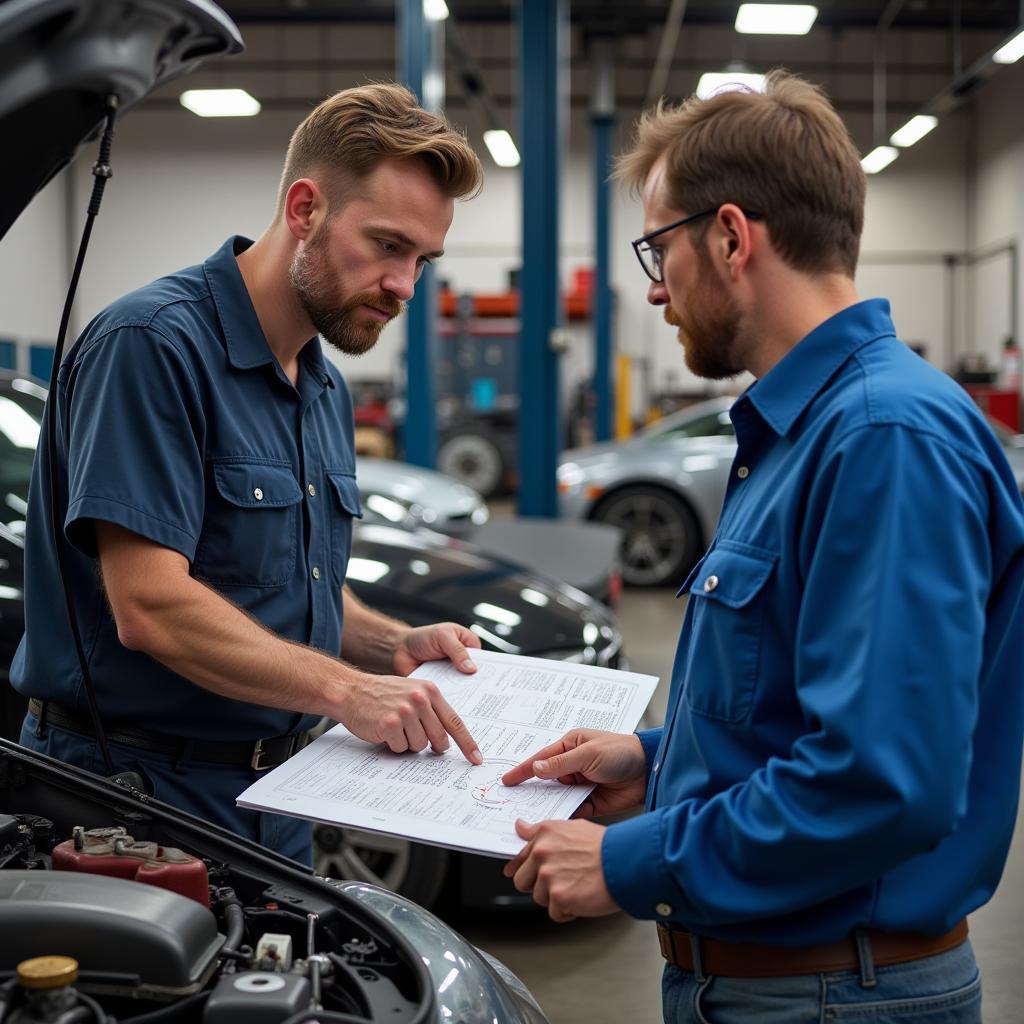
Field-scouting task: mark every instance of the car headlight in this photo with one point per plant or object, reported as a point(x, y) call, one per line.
point(471, 987)
point(569, 476)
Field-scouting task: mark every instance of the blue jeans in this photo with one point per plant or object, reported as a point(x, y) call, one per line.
point(205, 790)
point(942, 989)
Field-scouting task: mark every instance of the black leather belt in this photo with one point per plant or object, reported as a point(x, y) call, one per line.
point(256, 754)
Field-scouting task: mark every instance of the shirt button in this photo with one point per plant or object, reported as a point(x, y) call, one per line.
point(316, 573)
point(664, 909)
point(258, 494)
point(312, 490)
point(710, 583)
point(743, 472)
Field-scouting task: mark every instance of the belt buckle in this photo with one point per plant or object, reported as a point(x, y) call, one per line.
point(257, 754)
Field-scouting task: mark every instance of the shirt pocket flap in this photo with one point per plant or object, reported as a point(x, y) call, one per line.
point(731, 577)
point(347, 489)
point(253, 484)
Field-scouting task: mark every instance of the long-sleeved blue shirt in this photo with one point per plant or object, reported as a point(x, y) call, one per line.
point(842, 746)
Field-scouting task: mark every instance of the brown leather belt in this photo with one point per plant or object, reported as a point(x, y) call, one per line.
point(256, 754)
point(746, 960)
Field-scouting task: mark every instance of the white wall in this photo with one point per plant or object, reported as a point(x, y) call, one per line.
point(996, 210)
point(182, 184)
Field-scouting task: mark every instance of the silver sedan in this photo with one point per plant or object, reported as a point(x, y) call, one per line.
point(663, 488)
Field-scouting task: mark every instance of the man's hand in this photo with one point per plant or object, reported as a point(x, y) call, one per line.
point(435, 643)
point(561, 865)
point(406, 714)
point(614, 761)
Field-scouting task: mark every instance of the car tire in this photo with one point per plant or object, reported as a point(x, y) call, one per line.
point(410, 869)
point(473, 459)
point(661, 539)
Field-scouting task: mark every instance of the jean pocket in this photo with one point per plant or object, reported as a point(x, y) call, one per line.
point(958, 1006)
point(250, 529)
point(728, 595)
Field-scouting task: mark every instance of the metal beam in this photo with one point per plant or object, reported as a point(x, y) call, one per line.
point(602, 133)
point(419, 57)
point(542, 33)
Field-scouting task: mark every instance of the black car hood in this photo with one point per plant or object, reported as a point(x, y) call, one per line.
point(61, 59)
point(424, 577)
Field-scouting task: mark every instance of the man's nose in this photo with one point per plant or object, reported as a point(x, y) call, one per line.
point(400, 283)
point(657, 293)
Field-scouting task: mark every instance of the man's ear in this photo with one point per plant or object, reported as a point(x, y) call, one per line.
point(735, 237)
point(305, 207)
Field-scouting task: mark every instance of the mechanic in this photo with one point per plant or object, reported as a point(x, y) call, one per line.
point(835, 786)
point(206, 482)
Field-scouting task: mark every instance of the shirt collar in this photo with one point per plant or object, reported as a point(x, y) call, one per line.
point(246, 343)
point(790, 386)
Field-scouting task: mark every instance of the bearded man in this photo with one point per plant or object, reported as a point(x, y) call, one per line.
point(836, 782)
point(205, 474)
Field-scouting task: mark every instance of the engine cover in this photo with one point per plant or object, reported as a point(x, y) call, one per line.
point(123, 934)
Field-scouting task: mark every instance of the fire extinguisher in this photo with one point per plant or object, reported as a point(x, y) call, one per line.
point(1009, 378)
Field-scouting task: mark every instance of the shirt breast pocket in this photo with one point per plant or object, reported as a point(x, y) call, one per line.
point(727, 591)
point(345, 507)
point(250, 530)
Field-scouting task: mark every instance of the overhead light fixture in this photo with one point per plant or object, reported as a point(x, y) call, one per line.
point(220, 102)
point(879, 158)
point(435, 10)
point(775, 19)
point(1012, 51)
point(724, 81)
point(914, 130)
point(502, 148)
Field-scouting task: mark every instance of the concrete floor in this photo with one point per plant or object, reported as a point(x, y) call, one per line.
point(609, 969)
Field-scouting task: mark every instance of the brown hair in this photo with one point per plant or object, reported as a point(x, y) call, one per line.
point(784, 153)
point(353, 131)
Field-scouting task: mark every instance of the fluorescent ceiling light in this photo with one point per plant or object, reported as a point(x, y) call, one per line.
point(220, 102)
point(1011, 52)
point(435, 10)
point(914, 130)
point(503, 149)
point(722, 81)
point(775, 19)
point(879, 158)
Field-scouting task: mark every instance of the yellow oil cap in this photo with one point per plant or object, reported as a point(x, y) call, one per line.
point(47, 972)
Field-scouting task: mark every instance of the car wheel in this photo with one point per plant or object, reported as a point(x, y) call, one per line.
point(475, 460)
point(414, 871)
point(660, 536)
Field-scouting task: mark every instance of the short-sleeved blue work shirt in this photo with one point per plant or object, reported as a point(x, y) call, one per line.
point(176, 421)
point(842, 746)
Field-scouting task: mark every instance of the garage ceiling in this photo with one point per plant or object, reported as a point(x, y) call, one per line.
point(298, 51)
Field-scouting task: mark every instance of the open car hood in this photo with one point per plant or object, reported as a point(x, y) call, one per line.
point(61, 59)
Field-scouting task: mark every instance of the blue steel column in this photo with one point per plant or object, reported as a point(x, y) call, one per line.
point(541, 37)
point(602, 132)
point(417, 59)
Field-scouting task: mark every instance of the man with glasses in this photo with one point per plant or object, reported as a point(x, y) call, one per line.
point(206, 486)
point(836, 782)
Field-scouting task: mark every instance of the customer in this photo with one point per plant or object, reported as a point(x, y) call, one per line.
point(206, 483)
point(836, 783)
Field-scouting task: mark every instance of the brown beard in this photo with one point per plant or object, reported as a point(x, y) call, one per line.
point(313, 278)
point(709, 325)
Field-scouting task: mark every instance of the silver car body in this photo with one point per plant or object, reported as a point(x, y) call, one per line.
point(687, 454)
point(411, 496)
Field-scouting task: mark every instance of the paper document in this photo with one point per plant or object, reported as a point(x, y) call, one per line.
point(512, 705)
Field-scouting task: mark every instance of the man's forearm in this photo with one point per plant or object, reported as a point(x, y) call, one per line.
point(370, 638)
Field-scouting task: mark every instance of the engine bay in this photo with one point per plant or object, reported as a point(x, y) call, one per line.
point(115, 908)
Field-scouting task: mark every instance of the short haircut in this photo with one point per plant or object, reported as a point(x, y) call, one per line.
point(784, 153)
point(350, 133)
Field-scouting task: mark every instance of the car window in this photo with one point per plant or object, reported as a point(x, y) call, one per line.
point(21, 412)
point(712, 424)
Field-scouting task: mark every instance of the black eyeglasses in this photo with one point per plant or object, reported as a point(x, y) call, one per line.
point(650, 256)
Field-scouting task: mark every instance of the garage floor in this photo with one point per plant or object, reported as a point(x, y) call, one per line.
point(609, 969)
